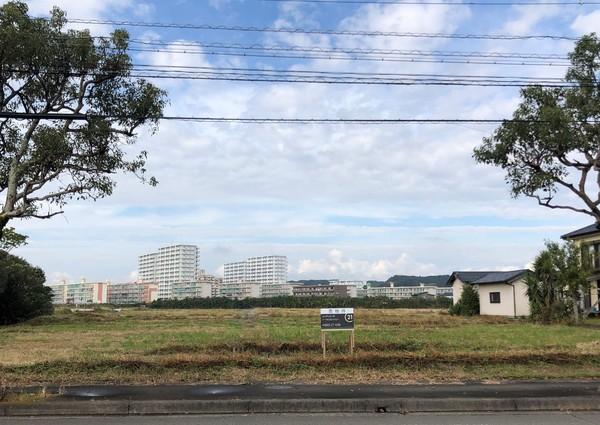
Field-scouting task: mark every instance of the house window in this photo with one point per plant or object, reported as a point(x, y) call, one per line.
point(594, 250)
point(494, 297)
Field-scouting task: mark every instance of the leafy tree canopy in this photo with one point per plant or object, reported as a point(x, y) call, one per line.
point(46, 69)
point(468, 304)
point(559, 279)
point(553, 141)
point(22, 291)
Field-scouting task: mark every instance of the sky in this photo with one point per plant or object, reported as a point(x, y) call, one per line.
point(340, 201)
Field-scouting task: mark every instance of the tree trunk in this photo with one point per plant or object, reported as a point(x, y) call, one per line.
point(3, 223)
point(575, 302)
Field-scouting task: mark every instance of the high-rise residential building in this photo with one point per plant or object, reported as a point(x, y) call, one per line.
point(177, 264)
point(268, 270)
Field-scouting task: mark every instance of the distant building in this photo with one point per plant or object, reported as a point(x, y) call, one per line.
point(402, 292)
point(239, 290)
point(325, 291)
point(276, 290)
point(177, 264)
point(205, 286)
point(360, 285)
point(500, 293)
point(268, 270)
point(132, 293)
point(82, 292)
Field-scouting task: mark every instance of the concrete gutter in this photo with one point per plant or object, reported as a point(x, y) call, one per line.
point(316, 399)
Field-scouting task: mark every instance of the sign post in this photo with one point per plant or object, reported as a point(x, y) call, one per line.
point(337, 319)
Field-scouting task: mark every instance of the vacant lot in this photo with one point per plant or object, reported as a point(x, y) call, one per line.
point(278, 345)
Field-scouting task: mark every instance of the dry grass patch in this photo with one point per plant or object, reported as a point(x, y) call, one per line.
point(282, 345)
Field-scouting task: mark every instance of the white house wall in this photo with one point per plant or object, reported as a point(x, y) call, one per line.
point(506, 305)
point(457, 288)
point(523, 308)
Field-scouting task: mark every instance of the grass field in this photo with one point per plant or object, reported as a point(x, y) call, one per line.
point(277, 345)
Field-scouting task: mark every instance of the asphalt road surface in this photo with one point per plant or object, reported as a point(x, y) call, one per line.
point(546, 418)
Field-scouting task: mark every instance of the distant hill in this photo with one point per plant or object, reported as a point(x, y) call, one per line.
point(406, 280)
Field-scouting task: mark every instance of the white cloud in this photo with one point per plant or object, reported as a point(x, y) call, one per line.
point(340, 201)
point(337, 265)
point(526, 21)
point(587, 23)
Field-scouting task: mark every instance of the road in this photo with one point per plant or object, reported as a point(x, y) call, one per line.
point(549, 418)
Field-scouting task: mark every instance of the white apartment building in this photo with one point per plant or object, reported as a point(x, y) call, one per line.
point(177, 264)
point(268, 270)
point(402, 292)
point(82, 292)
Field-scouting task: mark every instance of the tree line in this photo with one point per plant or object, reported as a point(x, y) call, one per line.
point(303, 302)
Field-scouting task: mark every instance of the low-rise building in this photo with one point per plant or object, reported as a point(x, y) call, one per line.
point(205, 286)
point(325, 291)
point(82, 292)
point(500, 293)
point(403, 292)
point(239, 290)
point(132, 293)
point(276, 290)
point(588, 240)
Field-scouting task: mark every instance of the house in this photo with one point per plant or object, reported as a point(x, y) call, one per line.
point(500, 293)
point(588, 240)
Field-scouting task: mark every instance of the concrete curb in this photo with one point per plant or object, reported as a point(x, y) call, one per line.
point(233, 406)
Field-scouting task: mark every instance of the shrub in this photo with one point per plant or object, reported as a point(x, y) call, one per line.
point(22, 291)
point(468, 304)
point(303, 302)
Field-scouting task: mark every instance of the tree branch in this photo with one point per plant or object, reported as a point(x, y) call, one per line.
point(546, 203)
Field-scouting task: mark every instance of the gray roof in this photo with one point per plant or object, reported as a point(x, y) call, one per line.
point(467, 277)
point(587, 230)
point(480, 278)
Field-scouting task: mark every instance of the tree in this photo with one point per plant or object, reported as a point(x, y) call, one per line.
point(553, 141)
point(45, 69)
point(22, 291)
point(559, 279)
point(468, 304)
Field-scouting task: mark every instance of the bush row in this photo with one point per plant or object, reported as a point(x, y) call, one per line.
point(303, 302)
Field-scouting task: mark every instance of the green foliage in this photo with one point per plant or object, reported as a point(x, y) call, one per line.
point(555, 286)
point(468, 304)
point(10, 239)
point(46, 69)
point(303, 302)
point(22, 291)
point(552, 142)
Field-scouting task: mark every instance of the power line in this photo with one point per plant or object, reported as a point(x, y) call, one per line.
point(291, 30)
point(302, 71)
point(313, 56)
point(244, 75)
point(353, 50)
point(83, 117)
